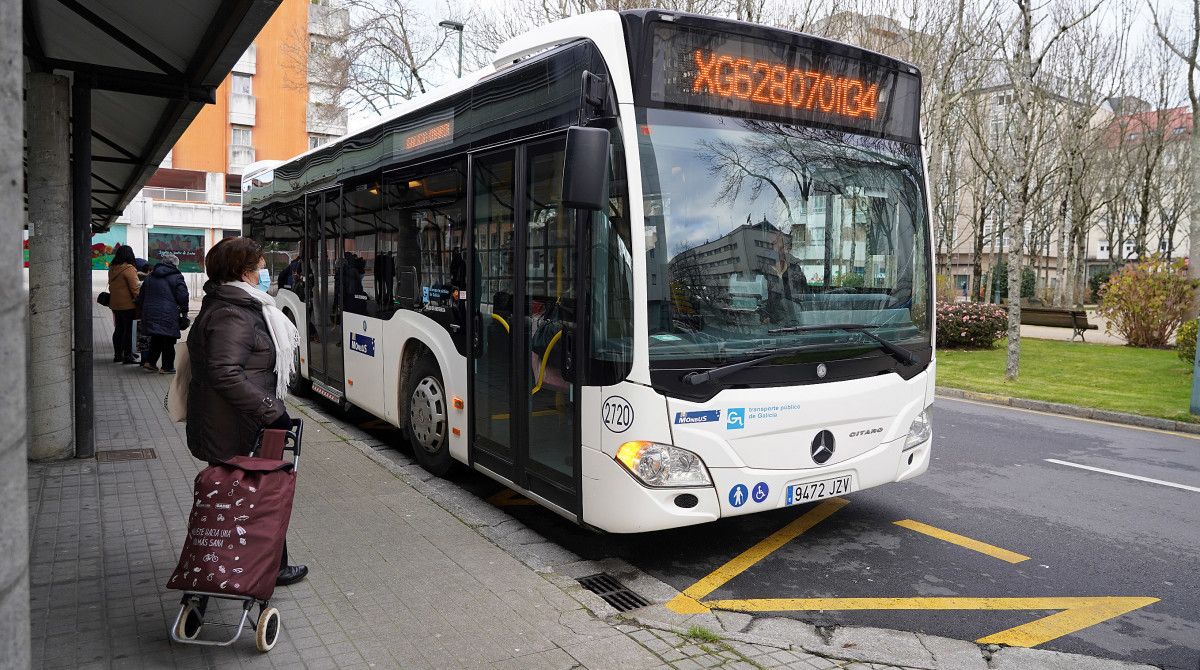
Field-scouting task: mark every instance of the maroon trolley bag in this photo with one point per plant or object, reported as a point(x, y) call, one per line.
point(239, 519)
point(240, 513)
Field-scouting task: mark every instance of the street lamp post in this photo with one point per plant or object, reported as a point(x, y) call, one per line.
point(458, 26)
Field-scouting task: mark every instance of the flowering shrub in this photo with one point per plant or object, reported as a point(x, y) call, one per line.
point(1145, 302)
point(1185, 341)
point(970, 325)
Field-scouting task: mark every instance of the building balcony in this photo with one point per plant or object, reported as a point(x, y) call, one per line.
point(175, 194)
point(239, 157)
point(248, 63)
point(324, 119)
point(328, 21)
point(241, 109)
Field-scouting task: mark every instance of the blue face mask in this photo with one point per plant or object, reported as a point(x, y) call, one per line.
point(264, 280)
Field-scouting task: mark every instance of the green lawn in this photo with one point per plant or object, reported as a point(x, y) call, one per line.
point(1151, 382)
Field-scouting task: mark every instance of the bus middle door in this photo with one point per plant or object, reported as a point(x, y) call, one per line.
point(524, 402)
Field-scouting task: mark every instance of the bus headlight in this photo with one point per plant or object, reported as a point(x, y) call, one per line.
point(920, 431)
point(662, 465)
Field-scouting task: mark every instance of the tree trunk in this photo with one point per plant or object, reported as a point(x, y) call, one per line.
point(977, 260)
point(1012, 366)
point(1194, 219)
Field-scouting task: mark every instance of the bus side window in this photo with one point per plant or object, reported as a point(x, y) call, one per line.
point(357, 274)
point(425, 243)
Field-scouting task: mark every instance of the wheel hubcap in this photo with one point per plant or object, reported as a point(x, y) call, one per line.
point(427, 414)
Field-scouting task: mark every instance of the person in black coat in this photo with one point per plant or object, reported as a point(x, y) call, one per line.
point(163, 299)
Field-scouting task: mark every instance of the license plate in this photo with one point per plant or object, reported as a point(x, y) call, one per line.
point(822, 488)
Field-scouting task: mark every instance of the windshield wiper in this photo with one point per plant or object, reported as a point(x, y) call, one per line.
point(901, 354)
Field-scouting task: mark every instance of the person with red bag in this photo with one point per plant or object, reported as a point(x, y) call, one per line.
point(241, 349)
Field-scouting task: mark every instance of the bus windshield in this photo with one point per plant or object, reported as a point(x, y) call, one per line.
point(756, 229)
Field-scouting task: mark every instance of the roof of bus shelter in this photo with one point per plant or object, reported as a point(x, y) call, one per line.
point(152, 65)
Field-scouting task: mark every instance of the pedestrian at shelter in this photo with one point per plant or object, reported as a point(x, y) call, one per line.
point(241, 350)
point(164, 303)
point(123, 288)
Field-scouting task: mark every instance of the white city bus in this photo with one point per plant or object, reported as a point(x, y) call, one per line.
point(649, 269)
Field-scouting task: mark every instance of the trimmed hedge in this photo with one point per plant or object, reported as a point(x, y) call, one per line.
point(970, 325)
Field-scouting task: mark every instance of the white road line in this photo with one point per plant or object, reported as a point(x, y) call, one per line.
point(1185, 487)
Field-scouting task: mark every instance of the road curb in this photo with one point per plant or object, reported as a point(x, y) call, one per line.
point(1076, 411)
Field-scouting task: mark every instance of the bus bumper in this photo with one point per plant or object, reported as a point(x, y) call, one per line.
point(615, 502)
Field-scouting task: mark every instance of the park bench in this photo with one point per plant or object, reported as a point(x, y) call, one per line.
point(1075, 319)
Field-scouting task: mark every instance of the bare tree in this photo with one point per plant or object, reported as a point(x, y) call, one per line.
point(1186, 47)
point(366, 55)
point(1023, 48)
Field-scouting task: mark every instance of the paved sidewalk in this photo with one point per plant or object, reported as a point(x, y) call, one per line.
point(397, 581)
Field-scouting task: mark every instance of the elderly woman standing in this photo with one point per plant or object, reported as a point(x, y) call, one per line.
point(163, 299)
point(123, 287)
point(241, 349)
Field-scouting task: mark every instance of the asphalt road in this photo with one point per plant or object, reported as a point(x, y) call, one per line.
point(1086, 533)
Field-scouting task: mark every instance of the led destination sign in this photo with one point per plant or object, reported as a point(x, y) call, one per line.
point(738, 75)
point(776, 84)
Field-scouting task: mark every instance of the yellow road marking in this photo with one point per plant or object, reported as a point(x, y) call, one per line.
point(688, 602)
point(1077, 612)
point(1174, 433)
point(963, 541)
point(509, 498)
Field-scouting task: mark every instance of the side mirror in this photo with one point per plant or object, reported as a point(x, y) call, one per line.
point(585, 168)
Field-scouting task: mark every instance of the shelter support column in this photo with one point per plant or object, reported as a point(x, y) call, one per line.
point(47, 118)
point(14, 514)
point(81, 246)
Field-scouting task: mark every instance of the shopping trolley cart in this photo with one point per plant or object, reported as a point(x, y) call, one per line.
point(235, 538)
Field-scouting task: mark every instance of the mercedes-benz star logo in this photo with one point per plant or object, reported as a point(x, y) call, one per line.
point(822, 447)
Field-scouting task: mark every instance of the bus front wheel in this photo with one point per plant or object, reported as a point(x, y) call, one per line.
point(428, 416)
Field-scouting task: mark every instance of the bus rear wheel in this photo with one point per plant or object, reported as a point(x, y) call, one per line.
point(428, 416)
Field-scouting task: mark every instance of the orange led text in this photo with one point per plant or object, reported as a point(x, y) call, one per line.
point(431, 134)
point(776, 84)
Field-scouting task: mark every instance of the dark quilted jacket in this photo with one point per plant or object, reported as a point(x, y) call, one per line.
point(164, 296)
point(232, 393)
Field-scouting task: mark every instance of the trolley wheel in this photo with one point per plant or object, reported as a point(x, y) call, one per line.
point(428, 416)
point(266, 633)
point(190, 622)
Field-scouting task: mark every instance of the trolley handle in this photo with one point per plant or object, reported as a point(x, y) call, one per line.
point(289, 440)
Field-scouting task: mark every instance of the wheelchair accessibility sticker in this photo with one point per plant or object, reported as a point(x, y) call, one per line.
point(760, 492)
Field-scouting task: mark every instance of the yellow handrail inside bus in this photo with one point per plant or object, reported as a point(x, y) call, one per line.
point(502, 322)
point(545, 359)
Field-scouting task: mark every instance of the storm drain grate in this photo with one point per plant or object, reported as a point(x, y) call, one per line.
point(114, 455)
point(613, 592)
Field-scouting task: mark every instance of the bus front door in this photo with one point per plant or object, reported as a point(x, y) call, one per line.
point(323, 230)
point(524, 402)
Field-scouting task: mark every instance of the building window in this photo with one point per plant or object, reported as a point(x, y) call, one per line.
point(1179, 131)
point(315, 140)
point(242, 83)
point(241, 136)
